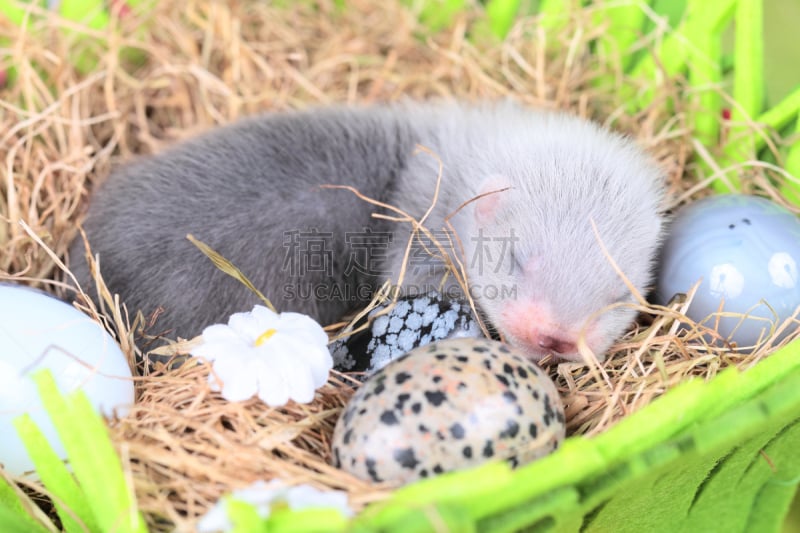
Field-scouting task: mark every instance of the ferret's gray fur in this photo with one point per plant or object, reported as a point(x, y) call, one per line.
point(241, 188)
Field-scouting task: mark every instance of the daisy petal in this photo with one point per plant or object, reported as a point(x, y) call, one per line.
point(303, 327)
point(272, 388)
point(219, 349)
point(266, 317)
point(297, 376)
point(318, 360)
point(248, 326)
point(239, 383)
point(219, 333)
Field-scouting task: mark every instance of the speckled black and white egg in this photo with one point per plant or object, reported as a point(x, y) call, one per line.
point(412, 322)
point(446, 406)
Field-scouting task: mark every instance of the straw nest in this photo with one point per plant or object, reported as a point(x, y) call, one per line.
point(165, 75)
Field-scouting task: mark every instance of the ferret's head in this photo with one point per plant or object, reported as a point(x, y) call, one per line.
point(540, 253)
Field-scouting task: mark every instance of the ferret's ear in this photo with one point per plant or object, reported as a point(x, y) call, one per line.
point(491, 197)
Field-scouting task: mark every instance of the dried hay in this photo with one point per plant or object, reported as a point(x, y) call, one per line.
point(190, 66)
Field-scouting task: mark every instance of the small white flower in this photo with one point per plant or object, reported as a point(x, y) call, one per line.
point(276, 356)
point(264, 495)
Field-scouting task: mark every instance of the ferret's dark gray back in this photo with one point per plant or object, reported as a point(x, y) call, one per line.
point(250, 191)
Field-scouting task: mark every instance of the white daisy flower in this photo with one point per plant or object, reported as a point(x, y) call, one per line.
point(276, 356)
point(263, 496)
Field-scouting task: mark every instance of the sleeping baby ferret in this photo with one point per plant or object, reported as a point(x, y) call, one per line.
point(533, 198)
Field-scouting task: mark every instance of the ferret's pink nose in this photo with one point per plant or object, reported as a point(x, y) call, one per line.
point(533, 325)
point(553, 344)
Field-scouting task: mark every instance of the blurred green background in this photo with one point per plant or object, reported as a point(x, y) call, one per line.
point(782, 74)
point(781, 49)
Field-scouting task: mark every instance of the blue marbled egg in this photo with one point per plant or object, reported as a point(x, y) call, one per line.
point(746, 251)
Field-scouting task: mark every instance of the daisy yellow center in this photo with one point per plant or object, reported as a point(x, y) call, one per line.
point(264, 337)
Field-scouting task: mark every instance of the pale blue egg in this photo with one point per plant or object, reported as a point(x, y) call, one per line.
point(746, 250)
point(39, 332)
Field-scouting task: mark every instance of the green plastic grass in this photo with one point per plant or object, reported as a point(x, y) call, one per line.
point(95, 496)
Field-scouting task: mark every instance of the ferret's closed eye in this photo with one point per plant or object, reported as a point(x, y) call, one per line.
point(518, 261)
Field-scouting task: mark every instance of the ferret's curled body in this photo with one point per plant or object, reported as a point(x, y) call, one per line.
point(252, 192)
